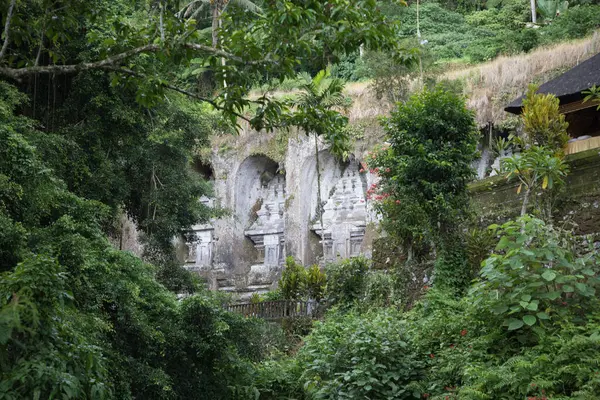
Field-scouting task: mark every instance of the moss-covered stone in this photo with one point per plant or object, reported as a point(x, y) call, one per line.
point(496, 200)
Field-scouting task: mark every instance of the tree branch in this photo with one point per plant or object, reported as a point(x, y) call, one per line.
point(227, 55)
point(216, 52)
point(176, 89)
point(18, 73)
point(7, 28)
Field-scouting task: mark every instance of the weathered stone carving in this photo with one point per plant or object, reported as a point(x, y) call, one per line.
point(344, 217)
point(267, 232)
point(272, 213)
point(199, 242)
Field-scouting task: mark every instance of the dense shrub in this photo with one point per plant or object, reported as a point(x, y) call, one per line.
point(82, 320)
point(360, 356)
point(346, 281)
point(527, 329)
point(298, 283)
point(422, 194)
point(575, 23)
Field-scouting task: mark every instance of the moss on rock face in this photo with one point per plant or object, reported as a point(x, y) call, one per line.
point(496, 200)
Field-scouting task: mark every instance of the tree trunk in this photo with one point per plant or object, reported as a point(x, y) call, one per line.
point(525, 201)
point(319, 207)
point(215, 23)
point(533, 13)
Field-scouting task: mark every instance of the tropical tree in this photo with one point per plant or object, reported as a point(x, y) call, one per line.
point(535, 168)
point(44, 39)
point(543, 123)
point(317, 114)
point(540, 165)
point(424, 176)
point(216, 7)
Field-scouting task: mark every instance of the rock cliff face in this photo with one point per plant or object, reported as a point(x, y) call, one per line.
point(270, 202)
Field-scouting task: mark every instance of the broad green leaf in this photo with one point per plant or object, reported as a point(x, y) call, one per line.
point(500, 309)
point(529, 320)
point(582, 287)
point(532, 306)
point(568, 289)
point(549, 275)
point(514, 324)
point(543, 315)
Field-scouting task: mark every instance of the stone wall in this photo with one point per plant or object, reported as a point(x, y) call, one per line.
point(270, 198)
point(496, 200)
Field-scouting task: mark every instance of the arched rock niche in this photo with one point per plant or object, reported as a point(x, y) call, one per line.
point(251, 186)
point(259, 209)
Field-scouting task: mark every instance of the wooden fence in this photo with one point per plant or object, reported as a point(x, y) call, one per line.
point(274, 310)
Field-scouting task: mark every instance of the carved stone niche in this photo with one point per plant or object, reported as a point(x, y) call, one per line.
point(200, 241)
point(200, 249)
point(267, 231)
point(344, 217)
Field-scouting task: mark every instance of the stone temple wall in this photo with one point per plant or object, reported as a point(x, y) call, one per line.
point(271, 213)
point(495, 200)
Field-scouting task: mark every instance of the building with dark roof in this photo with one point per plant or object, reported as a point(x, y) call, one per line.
point(583, 117)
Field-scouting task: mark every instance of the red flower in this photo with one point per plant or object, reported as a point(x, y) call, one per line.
point(361, 170)
point(387, 170)
point(432, 355)
point(425, 395)
point(397, 201)
point(451, 346)
point(463, 332)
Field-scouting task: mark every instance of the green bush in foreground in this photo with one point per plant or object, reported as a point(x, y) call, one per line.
point(485, 345)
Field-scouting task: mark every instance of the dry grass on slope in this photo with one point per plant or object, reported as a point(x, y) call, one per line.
point(491, 86)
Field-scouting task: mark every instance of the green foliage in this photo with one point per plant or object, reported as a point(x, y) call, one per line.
point(316, 112)
point(479, 244)
point(82, 320)
point(528, 328)
point(433, 143)
point(292, 283)
point(316, 281)
point(390, 79)
point(592, 94)
point(534, 276)
point(537, 168)
point(346, 281)
point(360, 356)
point(425, 173)
point(543, 123)
point(574, 23)
point(299, 283)
point(550, 9)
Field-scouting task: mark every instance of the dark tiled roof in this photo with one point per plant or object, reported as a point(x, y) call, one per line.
point(568, 86)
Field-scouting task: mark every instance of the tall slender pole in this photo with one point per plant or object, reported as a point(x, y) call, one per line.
point(419, 39)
